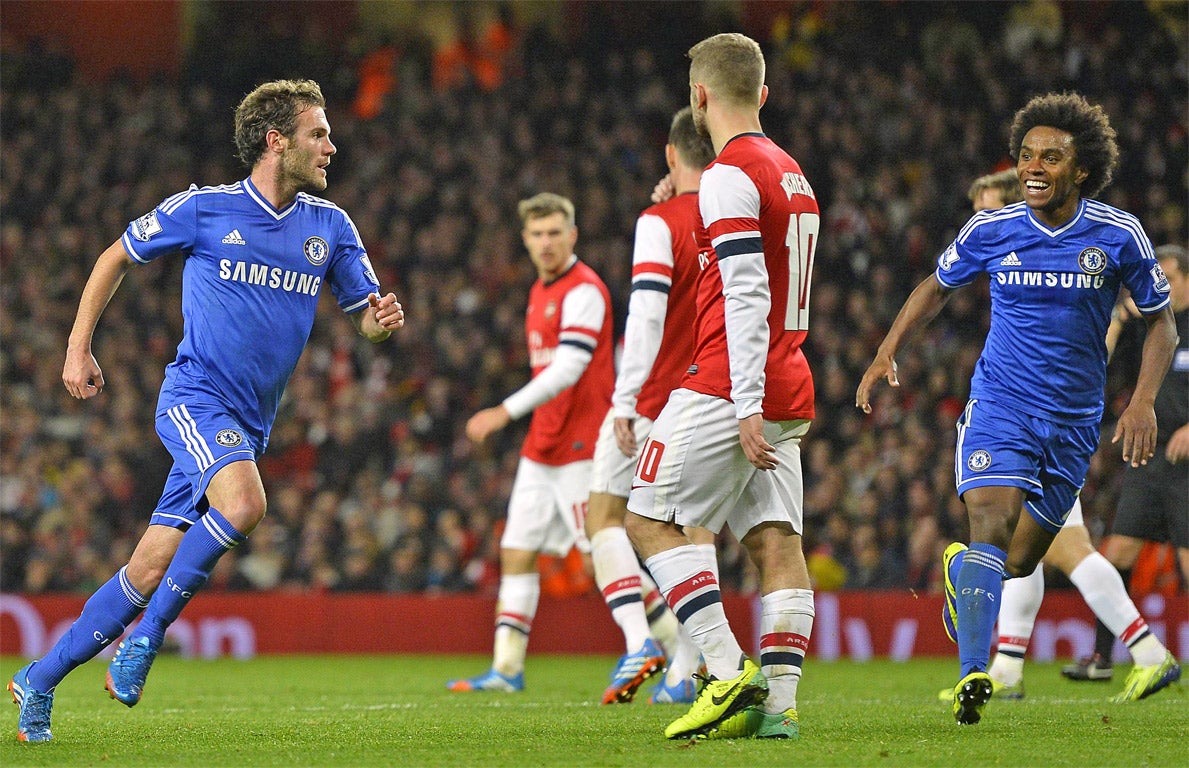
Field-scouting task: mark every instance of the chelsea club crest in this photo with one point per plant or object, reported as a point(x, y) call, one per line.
point(979, 460)
point(316, 250)
point(228, 438)
point(1092, 260)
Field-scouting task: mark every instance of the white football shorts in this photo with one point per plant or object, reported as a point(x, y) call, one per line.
point(612, 472)
point(693, 472)
point(547, 508)
point(1075, 514)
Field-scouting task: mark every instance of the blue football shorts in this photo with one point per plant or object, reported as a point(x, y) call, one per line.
point(203, 437)
point(1000, 446)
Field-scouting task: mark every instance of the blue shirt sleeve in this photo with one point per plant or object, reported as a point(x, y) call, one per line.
point(351, 274)
point(169, 227)
point(962, 262)
point(1140, 271)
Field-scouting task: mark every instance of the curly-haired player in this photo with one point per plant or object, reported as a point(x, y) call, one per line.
point(1056, 263)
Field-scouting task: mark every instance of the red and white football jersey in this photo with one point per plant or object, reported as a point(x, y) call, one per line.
point(573, 309)
point(753, 294)
point(659, 337)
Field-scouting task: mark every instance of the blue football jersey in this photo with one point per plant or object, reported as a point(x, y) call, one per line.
point(1052, 292)
point(250, 287)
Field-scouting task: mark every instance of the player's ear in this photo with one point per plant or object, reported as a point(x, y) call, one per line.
point(763, 94)
point(276, 141)
point(671, 156)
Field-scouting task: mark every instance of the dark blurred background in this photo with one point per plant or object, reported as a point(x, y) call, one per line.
point(445, 114)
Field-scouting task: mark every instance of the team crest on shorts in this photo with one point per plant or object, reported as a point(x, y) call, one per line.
point(228, 438)
point(979, 460)
point(316, 250)
point(1092, 260)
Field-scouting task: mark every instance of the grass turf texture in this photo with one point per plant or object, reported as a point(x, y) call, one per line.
point(395, 711)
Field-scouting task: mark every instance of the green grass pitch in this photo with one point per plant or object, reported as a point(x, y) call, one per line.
point(394, 711)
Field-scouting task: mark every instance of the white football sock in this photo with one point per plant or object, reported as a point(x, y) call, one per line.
point(617, 574)
point(692, 591)
point(1103, 590)
point(514, 614)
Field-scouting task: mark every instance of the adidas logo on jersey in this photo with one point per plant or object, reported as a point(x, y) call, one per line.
point(1011, 260)
point(234, 238)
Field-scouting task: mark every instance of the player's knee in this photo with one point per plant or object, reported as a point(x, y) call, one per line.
point(1022, 558)
point(771, 542)
point(1018, 567)
point(633, 525)
point(1066, 554)
point(245, 513)
point(604, 511)
point(1121, 551)
point(145, 574)
point(643, 532)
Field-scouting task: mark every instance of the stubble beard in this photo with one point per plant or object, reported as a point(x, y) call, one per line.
point(296, 173)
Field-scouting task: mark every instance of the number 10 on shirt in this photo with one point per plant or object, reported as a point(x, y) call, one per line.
point(801, 241)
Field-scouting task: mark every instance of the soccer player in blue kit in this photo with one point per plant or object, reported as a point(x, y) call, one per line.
point(257, 255)
point(1056, 263)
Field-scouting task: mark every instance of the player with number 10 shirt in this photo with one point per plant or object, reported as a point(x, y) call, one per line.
point(762, 217)
point(725, 449)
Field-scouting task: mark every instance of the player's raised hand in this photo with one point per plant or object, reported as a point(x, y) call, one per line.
point(883, 367)
point(81, 374)
point(389, 313)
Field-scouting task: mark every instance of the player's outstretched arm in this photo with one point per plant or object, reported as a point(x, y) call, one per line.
point(1136, 428)
point(81, 373)
point(486, 421)
point(922, 305)
point(379, 318)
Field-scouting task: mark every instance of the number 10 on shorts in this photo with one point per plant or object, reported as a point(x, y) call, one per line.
point(650, 460)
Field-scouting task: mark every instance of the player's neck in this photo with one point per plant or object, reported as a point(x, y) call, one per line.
point(1058, 217)
point(685, 179)
point(726, 124)
point(268, 183)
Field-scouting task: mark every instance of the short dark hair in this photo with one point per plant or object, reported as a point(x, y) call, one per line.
point(693, 149)
point(1095, 148)
point(271, 106)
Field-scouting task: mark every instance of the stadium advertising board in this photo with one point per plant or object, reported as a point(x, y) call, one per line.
point(854, 625)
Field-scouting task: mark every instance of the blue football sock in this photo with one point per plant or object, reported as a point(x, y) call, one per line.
point(198, 552)
point(980, 586)
point(103, 619)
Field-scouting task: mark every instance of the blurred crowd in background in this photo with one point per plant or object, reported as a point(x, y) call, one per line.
point(892, 109)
